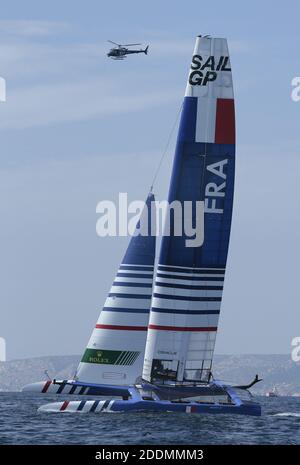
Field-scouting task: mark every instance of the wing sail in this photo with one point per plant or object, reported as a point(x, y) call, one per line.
point(189, 280)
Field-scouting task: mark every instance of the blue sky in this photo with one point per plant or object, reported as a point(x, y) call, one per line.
point(78, 128)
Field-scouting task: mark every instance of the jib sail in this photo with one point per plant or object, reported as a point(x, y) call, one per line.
point(115, 351)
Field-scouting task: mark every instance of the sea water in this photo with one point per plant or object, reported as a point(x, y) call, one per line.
point(20, 423)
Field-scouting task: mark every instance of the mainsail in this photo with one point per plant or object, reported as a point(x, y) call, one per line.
point(115, 351)
point(189, 280)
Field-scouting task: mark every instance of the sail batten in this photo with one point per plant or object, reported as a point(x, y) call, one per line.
point(189, 281)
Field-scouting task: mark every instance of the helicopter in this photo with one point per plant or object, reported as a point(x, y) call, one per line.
point(120, 52)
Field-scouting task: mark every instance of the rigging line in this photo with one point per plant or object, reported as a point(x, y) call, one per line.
point(166, 147)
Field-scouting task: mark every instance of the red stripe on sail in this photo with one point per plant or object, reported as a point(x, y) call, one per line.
point(122, 328)
point(225, 122)
point(46, 387)
point(64, 405)
point(183, 328)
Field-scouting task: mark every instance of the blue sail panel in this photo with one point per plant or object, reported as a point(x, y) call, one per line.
point(141, 249)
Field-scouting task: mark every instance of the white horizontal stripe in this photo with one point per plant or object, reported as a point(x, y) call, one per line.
point(142, 266)
point(198, 275)
point(186, 292)
point(123, 319)
point(189, 282)
point(184, 304)
point(120, 279)
point(120, 302)
point(169, 319)
point(146, 291)
point(135, 272)
point(191, 267)
point(114, 339)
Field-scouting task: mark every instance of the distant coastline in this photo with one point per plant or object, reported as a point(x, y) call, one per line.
point(277, 370)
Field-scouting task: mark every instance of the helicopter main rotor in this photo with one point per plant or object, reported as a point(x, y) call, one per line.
point(122, 45)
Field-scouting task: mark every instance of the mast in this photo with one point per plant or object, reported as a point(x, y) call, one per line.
point(115, 351)
point(189, 280)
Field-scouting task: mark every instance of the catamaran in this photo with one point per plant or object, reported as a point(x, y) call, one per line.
point(152, 347)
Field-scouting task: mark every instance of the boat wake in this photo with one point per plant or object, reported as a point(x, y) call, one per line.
point(287, 414)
